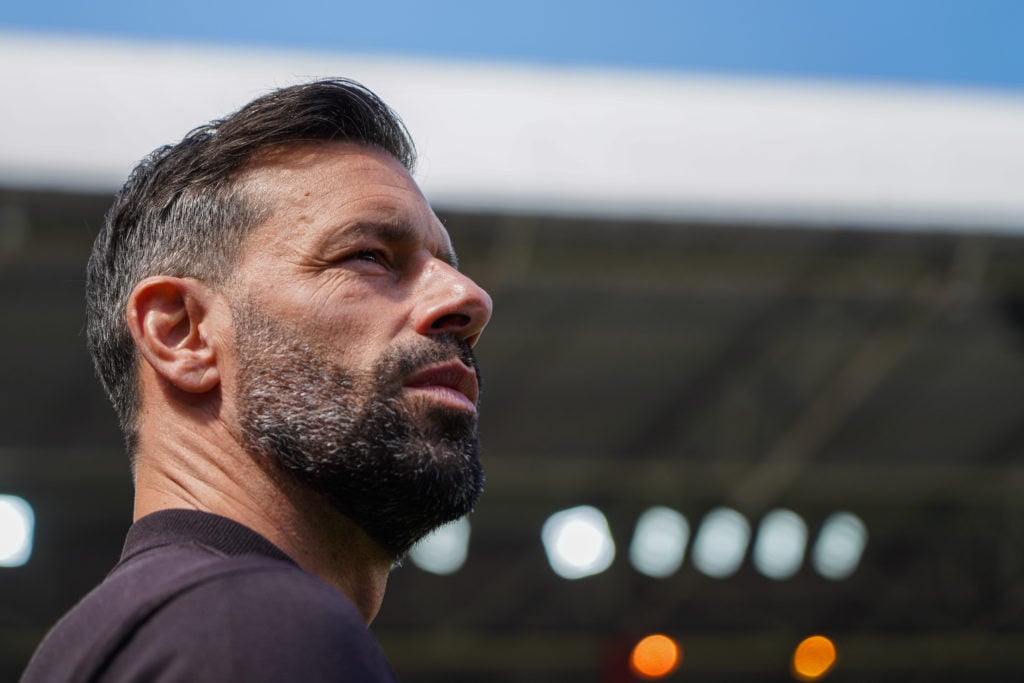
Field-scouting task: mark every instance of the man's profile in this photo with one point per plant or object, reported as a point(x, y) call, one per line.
point(277, 316)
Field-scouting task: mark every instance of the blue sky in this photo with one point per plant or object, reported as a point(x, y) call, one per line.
point(943, 42)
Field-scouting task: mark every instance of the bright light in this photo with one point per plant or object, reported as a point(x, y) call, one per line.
point(578, 542)
point(655, 656)
point(813, 658)
point(659, 542)
point(721, 543)
point(781, 541)
point(839, 546)
point(16, 527)
point(444, 550)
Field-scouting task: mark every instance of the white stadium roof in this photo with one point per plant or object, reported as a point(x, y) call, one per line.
point(80, 112)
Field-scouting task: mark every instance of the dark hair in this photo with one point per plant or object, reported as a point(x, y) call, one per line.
point(183, 213)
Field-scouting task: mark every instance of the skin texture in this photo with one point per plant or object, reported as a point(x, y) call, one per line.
point(353, 262)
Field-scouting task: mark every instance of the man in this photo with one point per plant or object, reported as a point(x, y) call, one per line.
point(277, 316)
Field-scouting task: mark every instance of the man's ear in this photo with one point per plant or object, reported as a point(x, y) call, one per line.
point(169, 318)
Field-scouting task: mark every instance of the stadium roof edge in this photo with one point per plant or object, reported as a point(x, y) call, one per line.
point(569, 141)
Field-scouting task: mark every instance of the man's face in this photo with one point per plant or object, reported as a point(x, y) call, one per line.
point(353, 336)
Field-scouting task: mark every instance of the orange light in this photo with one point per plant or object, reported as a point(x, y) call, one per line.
point(655, 656)
point(813, 658)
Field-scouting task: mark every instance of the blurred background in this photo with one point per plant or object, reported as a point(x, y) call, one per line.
point(755, 378)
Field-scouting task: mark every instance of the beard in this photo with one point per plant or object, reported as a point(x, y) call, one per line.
point(397, 467)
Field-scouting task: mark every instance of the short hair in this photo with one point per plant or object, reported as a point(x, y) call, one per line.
point(182, 211)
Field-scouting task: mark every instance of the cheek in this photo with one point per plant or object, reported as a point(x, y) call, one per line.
point(362, 317)
point(349, 321)
point(353, 338)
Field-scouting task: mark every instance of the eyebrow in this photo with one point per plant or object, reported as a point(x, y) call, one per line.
point(401, 233)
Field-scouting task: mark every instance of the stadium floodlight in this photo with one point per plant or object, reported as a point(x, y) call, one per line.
point(578, 542)
point(839, 546)
point(721, 543)
point(444, 550)
point(780, 545)
point(659, 542)
point(17, 523)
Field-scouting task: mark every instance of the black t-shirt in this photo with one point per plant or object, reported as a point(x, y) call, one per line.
point(198, 598)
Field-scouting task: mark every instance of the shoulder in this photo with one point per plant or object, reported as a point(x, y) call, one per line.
point(253, 620)
point(200, 598)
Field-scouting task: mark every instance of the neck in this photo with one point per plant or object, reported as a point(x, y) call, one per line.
point(222, 479)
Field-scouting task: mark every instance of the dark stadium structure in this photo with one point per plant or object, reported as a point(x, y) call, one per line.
point(816, 368)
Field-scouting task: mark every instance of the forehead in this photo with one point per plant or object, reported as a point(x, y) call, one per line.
point(316, 191)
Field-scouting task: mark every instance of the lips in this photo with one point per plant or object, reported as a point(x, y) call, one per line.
point(451, 382)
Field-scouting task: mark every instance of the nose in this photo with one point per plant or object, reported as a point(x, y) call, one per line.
point(452, 303)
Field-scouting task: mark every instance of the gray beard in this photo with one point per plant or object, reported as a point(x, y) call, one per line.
point(397, 468)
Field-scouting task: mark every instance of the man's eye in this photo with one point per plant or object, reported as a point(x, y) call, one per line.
point(370, 255)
